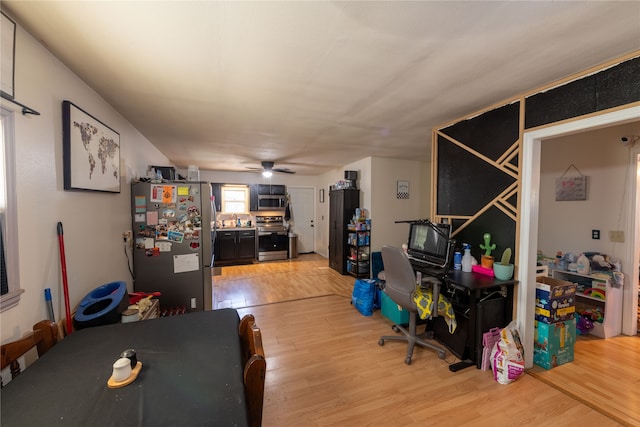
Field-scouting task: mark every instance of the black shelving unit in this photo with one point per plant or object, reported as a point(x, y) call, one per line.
point(359, 253)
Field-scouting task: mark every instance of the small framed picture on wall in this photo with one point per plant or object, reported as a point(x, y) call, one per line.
point(403, 190)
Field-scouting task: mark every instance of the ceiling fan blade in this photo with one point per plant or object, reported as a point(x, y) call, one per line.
point(283, 170)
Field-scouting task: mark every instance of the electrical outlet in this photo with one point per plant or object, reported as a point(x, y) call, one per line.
point(616, 236)
point(126, 236)
point(595, 234)
point(193, 303)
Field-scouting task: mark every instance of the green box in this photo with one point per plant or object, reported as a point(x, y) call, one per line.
point(553, 343)
point(393, 312)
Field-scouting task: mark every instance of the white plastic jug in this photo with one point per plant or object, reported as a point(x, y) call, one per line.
point(582, 265)
point(466, 259)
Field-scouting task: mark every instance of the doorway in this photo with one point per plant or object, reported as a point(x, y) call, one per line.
point(531, 148)
point(302, 221)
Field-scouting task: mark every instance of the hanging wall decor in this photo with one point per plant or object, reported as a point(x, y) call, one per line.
point(571, 187)
point(91, 152)
point(403, 190)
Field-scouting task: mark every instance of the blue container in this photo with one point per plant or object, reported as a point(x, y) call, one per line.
point(457, 261)
point(102, 306)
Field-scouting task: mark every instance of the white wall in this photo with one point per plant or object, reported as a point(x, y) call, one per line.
point(377, 181)
point(566, 225)
point(326, 180)
point(93, 222)
point(387, 208)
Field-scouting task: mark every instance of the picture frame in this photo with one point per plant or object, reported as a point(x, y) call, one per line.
point(402, 190)
point(321, 193)
point(91, 152)
point(8, 56)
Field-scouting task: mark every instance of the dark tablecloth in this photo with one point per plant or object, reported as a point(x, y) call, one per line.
point(191, 376)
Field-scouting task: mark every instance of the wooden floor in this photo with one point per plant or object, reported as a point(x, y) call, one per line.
point(324, 366)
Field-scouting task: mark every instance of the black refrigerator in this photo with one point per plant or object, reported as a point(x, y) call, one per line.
point(172, 250)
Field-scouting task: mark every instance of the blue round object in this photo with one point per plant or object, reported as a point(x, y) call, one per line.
point(102, 306)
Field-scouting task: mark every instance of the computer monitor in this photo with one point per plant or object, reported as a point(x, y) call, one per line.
point(428, 245)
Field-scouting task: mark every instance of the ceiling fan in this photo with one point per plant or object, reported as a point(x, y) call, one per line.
point(268, 169)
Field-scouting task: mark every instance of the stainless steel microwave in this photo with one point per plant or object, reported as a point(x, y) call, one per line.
point(271, 203)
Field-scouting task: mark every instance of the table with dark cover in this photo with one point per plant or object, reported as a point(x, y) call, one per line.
point(192, 375)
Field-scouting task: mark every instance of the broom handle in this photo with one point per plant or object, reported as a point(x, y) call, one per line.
point(65, 285)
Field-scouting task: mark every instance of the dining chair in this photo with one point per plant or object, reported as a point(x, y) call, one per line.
point(255, 368)
point(43, 337)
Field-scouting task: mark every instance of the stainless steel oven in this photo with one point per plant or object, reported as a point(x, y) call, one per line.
point(271, 203)
point(273, 239)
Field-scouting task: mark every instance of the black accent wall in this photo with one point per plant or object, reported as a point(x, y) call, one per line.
point(466, 183)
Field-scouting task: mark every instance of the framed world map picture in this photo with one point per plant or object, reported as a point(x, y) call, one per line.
point(91, 152)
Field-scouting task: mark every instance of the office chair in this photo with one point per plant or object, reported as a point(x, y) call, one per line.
point(400, 284)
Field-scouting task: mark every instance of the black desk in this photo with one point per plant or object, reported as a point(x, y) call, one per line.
point(478, 312)
point(192, 375)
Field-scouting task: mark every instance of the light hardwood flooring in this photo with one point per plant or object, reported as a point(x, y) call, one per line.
point(324, 366)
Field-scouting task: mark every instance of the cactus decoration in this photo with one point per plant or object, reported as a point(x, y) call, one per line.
point(487, 247)
point(506, 257)
point(503, 270)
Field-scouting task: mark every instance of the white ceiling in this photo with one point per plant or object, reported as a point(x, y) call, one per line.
point(315, 85)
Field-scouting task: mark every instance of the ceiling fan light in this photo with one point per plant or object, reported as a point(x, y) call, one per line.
point(267, 174)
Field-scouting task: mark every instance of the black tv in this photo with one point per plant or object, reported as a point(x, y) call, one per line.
point(429, 243)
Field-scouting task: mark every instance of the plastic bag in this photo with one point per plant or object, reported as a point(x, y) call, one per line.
point(507, 356)
point(363, 295)
point(489, 340)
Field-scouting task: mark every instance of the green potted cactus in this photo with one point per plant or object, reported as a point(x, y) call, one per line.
point(503, 270)
point(486, 260)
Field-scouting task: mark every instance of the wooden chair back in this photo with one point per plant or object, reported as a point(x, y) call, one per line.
point(255, 368)
point(44, 336)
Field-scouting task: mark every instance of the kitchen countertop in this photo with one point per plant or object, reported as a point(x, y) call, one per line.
point(234, 228)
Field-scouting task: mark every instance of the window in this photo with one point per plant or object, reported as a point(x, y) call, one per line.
point(235, 199)
point(9, 273)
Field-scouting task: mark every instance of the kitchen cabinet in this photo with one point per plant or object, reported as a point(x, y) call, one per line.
point(216, 190)
point(597, 294)
point(342, 206)
point(235, 245)
point(246, 244)
point(272, 190)
point(253, 197)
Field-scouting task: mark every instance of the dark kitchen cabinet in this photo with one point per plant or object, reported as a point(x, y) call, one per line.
point(272, 190)
point(246, 244)
point(278, 190)
point(216, 190)
point(342, 206)
point(235, 245)
point(225, 246)
point(253, 197)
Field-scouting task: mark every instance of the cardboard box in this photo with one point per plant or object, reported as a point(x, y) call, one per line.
point(392, 311)
point(555, 299)
point(553, 343)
